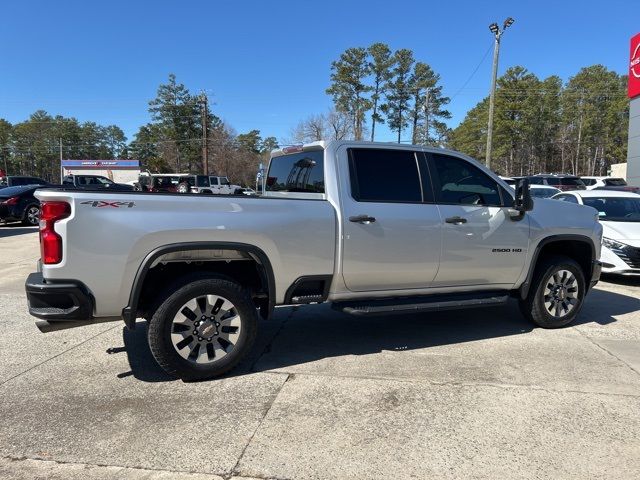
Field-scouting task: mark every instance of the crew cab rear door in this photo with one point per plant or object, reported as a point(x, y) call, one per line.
point(391, 228)
point(482, 244)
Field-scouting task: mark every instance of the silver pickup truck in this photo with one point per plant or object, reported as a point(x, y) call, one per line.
point(373, 228)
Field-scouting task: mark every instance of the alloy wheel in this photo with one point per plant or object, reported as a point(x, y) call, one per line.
point(561, 293)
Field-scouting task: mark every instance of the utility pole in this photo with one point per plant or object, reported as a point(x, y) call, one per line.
point(61, 170)
point(205, 143)
point(497, 33)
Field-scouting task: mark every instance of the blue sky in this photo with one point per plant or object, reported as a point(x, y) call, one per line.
point(266, 64)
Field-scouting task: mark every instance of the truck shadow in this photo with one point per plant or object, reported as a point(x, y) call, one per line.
point(13, 229)
point(298, 335)
point(633, 281)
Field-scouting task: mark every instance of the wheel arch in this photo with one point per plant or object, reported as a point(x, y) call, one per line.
point(578, 247)
point(265, 270)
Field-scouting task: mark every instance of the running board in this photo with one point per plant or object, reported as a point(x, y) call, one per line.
point(427, 303)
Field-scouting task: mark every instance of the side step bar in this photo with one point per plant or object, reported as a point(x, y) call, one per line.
point(427, 303)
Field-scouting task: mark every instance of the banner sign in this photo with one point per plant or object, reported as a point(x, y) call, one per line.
point(634, 67)
point(102, 164)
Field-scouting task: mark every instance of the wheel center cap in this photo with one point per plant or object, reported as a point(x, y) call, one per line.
point(207, 329)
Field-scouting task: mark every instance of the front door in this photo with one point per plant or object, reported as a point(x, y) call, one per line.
point(391, 237)
point(482, 243)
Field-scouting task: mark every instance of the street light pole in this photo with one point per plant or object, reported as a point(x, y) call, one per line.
point(495, 29)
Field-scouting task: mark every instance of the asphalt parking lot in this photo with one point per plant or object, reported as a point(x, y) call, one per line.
point(469, 394)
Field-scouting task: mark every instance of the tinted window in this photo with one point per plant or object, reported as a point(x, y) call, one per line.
point(573, 181)
point(589, 181)
point(298, 172)
point(384, 176)
point(536, 181)
point(567, 198)
point(202, 181)
point(213, 180)
point(616, 209)
point(615, 182)
point(463, 183)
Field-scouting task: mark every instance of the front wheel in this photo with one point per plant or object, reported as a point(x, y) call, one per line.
point(557, 292)
point(203, 329)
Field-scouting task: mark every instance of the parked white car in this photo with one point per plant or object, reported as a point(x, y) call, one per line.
point(619, 213)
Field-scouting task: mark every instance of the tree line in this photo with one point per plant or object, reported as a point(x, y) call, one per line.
point(545, 125)
point(171, 142)
point(377, 85)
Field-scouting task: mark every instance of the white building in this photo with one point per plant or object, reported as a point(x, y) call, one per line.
point(120, 171)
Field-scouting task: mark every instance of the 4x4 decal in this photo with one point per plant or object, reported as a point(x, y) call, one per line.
point(103, 203)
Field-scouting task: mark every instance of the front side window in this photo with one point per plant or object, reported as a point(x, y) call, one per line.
point(384, 175)
point(462, 183)
point(297, 172)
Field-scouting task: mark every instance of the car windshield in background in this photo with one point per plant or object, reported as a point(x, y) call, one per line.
point(298, 172)
point(615, 182)
point(616, 209)
point(11, 191)
point(543, 192)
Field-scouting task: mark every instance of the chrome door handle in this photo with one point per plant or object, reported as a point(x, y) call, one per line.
point(364, 219)
point(455, 220)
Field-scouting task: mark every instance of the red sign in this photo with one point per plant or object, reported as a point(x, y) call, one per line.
point(634, 67)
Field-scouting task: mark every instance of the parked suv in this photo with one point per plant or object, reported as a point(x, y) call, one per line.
point(161, 182)
point(222, 186)
point(608, 183)
point(194, 184)
point(561, 182)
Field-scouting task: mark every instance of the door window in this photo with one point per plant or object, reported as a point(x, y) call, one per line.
point(461, 183)
point(381, 175)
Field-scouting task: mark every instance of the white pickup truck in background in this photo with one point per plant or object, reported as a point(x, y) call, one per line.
point(373, 228)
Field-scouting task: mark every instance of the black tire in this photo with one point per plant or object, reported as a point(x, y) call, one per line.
point(548, 311)
point(161, 327)
point(31, 215)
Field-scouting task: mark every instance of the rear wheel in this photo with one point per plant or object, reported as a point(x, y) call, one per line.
point(183, 187)
point(556, 294)
point(203, 329)
point(31, 215)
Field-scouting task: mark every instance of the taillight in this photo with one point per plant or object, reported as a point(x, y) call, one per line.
point(50, 241)
point(11, 201)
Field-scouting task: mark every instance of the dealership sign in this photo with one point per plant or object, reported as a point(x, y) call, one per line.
point(634, 67)
point(101, 164)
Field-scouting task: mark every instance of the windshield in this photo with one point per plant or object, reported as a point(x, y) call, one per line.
point(543, 192)
point(616, 209)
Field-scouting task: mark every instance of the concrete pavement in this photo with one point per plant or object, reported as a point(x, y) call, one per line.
point(470, 394)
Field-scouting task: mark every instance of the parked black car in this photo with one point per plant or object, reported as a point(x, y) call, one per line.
point(17, 204)
point(94, 182)
point(16, 180)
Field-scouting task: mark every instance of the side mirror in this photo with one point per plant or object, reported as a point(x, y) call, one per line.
point(523, 201)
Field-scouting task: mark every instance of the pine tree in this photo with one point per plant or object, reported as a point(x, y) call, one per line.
point(398, 91)
point(380, 66)
point(348, 87)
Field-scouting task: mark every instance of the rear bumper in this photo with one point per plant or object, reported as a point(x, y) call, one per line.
point(58, 301)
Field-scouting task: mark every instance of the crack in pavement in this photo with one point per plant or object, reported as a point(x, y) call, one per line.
point(56, 356)
point(234, 470)
point(591, 340)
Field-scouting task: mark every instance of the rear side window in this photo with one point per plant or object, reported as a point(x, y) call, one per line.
point(462, 183)
point(589, 181)
point(615, 182)
point(536, 181)
point(384, 175)
point(298, 172)
point(202, 181)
